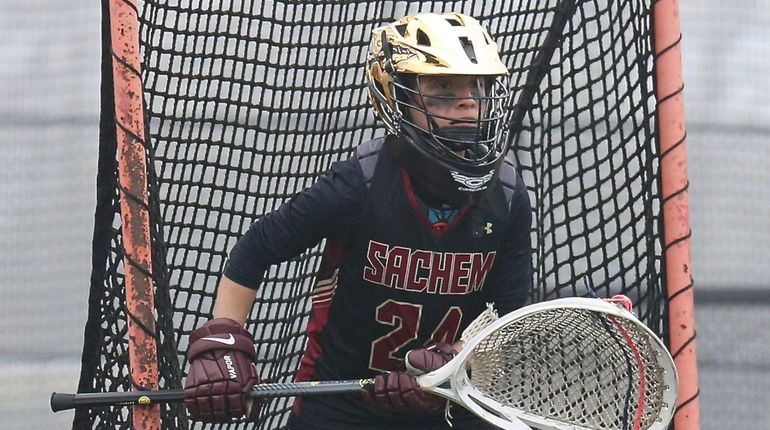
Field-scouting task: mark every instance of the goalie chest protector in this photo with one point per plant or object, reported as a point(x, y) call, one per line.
point(395, 283)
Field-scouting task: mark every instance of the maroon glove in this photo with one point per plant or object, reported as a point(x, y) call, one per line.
point(424, 360)
point(399, 391)
point(222, 370)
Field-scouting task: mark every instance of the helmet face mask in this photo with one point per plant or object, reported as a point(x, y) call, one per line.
point(457, 116)
point(437, 82)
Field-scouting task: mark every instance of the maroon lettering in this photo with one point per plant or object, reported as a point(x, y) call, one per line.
point(374, 271)
point(479, 269)
point(420, 262)
point(395, 270)
point(460, 273)
point(440, 273)
point(426, 271)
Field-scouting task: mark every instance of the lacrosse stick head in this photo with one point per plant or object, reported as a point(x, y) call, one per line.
point(573, 363)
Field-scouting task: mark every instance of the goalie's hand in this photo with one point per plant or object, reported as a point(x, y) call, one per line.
point(399, 391)
point(424, 360)
point(222, 371)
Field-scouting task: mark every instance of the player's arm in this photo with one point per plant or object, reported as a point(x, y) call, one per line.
point(509, 283)
point(221, 351)
point(328, 209)
point(233, 301)
point(221, 355)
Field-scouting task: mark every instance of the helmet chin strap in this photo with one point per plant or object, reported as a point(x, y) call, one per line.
point(421, 185)
point(454, 136)
point(418, 155)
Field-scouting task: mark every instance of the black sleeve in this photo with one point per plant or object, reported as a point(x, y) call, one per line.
point(325, 210)
point(510, 281)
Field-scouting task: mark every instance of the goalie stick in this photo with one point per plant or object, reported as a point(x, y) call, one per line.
point(573, 363)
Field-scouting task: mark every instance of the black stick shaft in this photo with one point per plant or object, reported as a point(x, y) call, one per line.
point(64, 401)
point(289, 389)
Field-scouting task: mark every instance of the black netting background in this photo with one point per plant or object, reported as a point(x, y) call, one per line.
point(249, 101)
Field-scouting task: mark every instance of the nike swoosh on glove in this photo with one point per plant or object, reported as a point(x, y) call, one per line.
point(399, 391)
point(222, 371)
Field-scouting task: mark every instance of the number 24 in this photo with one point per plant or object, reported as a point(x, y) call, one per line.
point(405, 319)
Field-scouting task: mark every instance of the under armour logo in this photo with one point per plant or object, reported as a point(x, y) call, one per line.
point(488, 228)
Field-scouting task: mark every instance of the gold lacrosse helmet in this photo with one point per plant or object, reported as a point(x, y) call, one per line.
point(461, 162)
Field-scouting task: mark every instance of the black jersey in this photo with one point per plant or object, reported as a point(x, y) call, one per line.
point(390, 280)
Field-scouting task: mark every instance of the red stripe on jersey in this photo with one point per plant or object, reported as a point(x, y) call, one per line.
point(323, 292)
